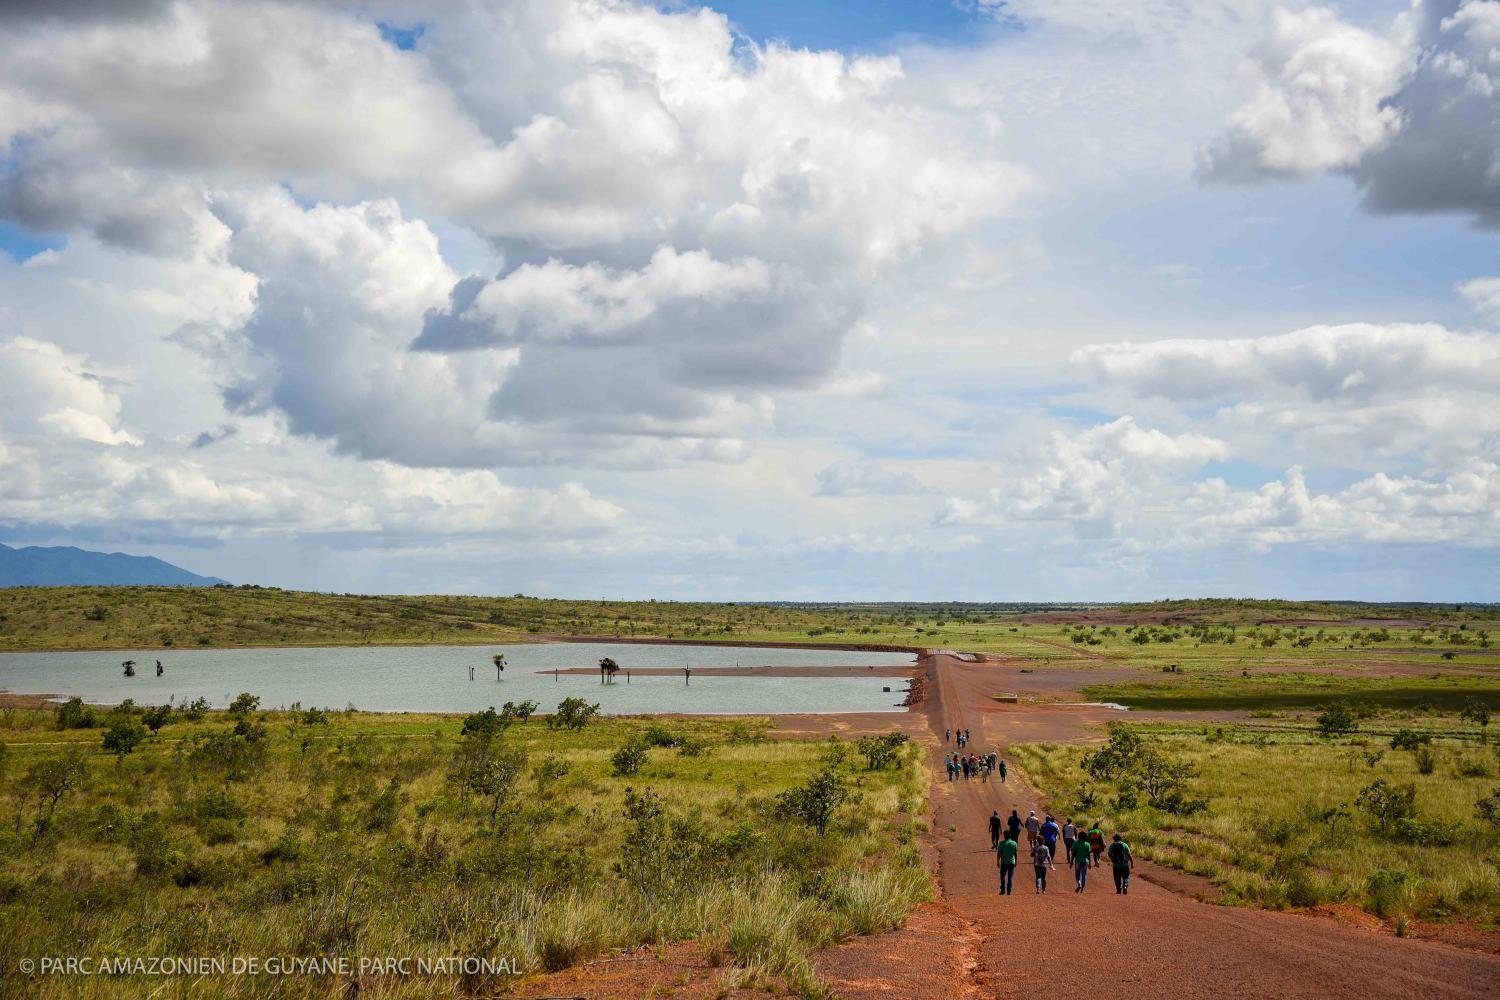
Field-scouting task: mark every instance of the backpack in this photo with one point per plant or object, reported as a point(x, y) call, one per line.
point(1118, 852)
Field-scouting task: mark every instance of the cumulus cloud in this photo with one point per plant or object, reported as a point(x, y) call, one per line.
point(1365, 392)
point(1318, 100)
point(49, 392)
point(1096, 479)
point(1407, 111)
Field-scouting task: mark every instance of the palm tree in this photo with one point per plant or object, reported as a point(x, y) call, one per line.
point(607, 670)
point(129, 666)
point(499, 659)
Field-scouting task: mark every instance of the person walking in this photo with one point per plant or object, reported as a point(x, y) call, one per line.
point(1096, 842)
point(994, 830)
point(1033, 826)
point(1013, 826)
point(1002, 770)
point(1069, 834)
point(1080, 852)
point(1050, 831)
point(1005, 858)
point(947, 735)
point(1122, 861)
point(1041, 860)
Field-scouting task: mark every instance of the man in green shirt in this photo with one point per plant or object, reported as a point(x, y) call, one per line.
point(1005, 857)
point(1122, 861)
point(1081, 851)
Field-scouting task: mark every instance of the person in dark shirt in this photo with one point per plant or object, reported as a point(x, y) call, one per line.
point(994, 830)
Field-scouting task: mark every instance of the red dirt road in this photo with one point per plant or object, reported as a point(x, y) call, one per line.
point(1153, 943)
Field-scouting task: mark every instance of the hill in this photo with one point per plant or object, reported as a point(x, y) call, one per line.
point(66, 566)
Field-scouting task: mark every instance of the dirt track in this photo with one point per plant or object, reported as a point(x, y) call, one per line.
point(1157, 943)
point(1153, 943)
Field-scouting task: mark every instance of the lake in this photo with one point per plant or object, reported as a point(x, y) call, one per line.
point(436, 678)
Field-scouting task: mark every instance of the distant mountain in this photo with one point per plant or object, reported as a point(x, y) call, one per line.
point(66, 566)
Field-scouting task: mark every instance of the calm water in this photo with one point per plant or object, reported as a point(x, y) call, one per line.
point(436, 678)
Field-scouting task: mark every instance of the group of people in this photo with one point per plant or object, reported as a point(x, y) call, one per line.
point(962, 734)
point(1079, 848)
point(974, 765)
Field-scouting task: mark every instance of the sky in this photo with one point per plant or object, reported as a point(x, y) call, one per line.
point(1063, 300)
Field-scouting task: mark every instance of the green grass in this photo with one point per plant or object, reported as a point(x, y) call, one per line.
point(351, 839)
point(146, 617)
point(1216, 692)
point(1282, 827)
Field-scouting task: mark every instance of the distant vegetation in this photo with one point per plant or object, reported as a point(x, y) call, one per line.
point(313, 832)
point(148, 617)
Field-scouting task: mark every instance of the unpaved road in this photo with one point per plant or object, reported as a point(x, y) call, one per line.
point(1153, 943)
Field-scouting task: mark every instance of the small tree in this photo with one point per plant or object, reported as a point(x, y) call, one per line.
point(880, 751)
point(244, 704)
point(1336, 719)
point(156, 718)
point(815, 801)
point(520, 712)
point(486, 723)
point(74, 714)
point(123, 736)
point(1488, 808)
point(50, 780)
point(1388, 804)
point(1475, 711)
point(627, 760)
point(1409, 739)
point(572, 713)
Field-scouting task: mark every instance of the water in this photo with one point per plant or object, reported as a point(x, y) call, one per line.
point(436, 678)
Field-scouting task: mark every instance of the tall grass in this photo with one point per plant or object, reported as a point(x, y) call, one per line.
point(350, 839)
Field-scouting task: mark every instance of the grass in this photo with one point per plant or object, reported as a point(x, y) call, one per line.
point(349, 838)
point(1217, 691)
point(153, 617)
point(1282, 825)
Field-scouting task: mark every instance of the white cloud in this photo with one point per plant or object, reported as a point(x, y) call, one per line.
point(50, 393)
point(1408, 112)
point(1318, 101)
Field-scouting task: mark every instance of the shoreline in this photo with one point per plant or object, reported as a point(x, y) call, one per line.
point(539, 639)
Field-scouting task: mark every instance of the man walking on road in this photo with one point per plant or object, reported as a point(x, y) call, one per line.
point(1002, 771)
point(1033, 825)
point(1080, 855)
point(1013, 826)
point(1041, 859)
point(1122, 861)
point(1050, 830)
point(994, 830)
point(1005, 857)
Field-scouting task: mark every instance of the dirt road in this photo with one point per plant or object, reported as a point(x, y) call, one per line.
point(1153, 943)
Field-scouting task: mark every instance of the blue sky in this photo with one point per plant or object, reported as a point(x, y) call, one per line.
point(1065, 300)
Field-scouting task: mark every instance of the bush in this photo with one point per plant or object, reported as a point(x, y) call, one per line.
point(1389, 891)
point(243, 704)
point(1426, 761)
point(156, 718)
point(572, 713)
point(627, 760)
point(1336, 719)
point(520, 712)
point(1408, 739)
point(815, 801)
point(1388, 804)
point(123, 736)
point(74, 714)
point(880, 751)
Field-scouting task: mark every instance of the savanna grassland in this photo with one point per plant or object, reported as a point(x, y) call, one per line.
point(156, 617)
point(536, 842)
point(1393, 811)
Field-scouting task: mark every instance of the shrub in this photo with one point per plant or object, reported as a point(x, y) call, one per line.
point(1426, 761)
point(520, 712)
point(572, 713)
point(486, 723)
point(314, 717)
point(815, 801)
point(243, 704)
point(880, 751)
point(627, 760)
point(1487, 809)
point(1387, 804)
point(74, 714)
point(1388, 890)
point(1409, 739)
point(1336, 719)
point(156, 718)
point(123, 736)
